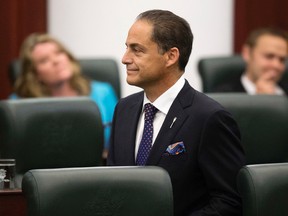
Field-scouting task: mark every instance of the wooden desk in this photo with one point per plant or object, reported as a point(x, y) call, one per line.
point(12, 203)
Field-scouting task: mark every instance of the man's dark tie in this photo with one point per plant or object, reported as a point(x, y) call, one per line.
point(146, 141)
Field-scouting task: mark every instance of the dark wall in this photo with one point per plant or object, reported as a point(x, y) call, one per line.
point(251, 14)
point(19, 18)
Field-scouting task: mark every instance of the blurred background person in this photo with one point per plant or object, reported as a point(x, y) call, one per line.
point(48, 69)
point(265, 52)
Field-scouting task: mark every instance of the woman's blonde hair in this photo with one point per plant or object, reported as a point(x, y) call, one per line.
point(27, 84)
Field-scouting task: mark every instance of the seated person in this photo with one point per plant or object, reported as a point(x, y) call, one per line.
point(48, 69)
point(265, 52)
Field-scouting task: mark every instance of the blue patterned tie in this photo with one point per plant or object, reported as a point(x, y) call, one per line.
point(146, 141)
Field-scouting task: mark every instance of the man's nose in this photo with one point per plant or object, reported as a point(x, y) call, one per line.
point(126, 59)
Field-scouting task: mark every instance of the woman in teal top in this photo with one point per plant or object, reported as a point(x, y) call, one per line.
point(48, 69)
point(104, 96)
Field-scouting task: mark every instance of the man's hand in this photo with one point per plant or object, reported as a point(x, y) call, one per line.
point(266, 84)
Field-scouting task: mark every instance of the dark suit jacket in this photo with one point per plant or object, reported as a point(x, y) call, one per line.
point(204, 176)
point(235, 86)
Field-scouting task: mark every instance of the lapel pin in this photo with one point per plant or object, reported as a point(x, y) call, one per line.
point(175, 118)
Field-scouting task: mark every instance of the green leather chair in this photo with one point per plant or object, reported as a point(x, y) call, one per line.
point(121, 191)
point(50, 133)
point(101, 69)
point(218, 70)
point(264, 189)
point(263, 123)
point(105, 70)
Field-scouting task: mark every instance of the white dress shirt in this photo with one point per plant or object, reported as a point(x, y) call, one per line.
point(163, 104)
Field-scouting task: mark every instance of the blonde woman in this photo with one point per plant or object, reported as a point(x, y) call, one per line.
point(48, 69)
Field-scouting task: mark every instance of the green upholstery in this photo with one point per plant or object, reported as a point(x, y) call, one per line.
point(263, 122)
point(50, 133)
point(105, 70)
point(216, 71)
point(120, 191)
point(264, 189)
point(102, 69)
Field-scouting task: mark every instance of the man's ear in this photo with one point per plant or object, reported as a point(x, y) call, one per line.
point(246, 52)
point(172, 56)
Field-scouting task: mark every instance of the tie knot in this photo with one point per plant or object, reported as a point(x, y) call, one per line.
point(150, 111)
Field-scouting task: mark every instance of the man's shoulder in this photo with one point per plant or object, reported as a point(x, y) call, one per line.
point(126, 104)
point(133, 98)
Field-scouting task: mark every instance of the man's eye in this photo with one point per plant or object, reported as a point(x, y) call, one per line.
point(269, 56)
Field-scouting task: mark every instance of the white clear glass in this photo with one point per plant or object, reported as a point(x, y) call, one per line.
point(7, 174)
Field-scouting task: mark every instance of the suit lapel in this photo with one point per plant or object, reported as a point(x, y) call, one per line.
point(168, 132)
point(134, 114)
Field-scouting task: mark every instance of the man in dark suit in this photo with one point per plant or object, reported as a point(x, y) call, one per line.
point(264, 52)
point(192, 136)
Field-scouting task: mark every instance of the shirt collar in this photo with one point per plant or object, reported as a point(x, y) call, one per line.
point(164, 101)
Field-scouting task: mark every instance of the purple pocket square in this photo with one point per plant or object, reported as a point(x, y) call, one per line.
point(175, 149)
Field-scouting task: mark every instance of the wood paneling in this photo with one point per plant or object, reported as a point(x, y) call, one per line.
point(251, 14)
point(12, 203)
point(19, 18)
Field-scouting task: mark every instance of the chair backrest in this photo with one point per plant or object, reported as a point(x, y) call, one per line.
point(101, 69)
point(219, 70)
point(105, 70)
point(50, 133)
point(117, 191)
point(263, 122)
point(264, 189)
